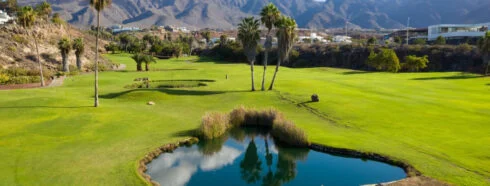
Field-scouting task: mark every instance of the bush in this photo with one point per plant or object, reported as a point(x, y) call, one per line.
point(414, 63)
point(386, 60)
point(23, 80)
point(4, 78)
point(20, 39)
point(213, 125)
point(287, 132)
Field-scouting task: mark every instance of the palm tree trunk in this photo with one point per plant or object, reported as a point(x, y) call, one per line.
point(39, 61)
point(66, 68)
point(275, 74)
point(96, 97)
point(79, 62)
point(266, 56)
point(138, 67)
point(252, 71)
point(485, 60)
point(147, 66)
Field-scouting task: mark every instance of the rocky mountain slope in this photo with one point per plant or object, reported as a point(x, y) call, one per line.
point(308, 13)
point(18, 49)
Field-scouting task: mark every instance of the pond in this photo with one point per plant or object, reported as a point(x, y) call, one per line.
point(251, 157)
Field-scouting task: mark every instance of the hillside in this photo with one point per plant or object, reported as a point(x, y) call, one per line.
point(18, 49)
point(308, 13)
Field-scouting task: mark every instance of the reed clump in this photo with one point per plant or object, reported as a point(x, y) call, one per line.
point(214, 125)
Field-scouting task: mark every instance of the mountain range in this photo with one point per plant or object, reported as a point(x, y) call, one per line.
point(226, 14)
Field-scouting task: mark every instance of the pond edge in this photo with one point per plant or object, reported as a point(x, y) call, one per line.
point(149, 157)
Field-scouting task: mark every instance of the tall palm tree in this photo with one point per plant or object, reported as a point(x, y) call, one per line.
point(484, 46)
point(98, 5)
point(79, 47)
point(27, 17)
point(268, 16)
point(249, 36)
point(286, 36)
point(65, 47)
point(44, 10)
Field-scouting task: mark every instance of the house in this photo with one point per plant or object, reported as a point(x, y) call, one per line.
point(313, 37)
point(457, 31)
point(4, 17)
point(342, 39)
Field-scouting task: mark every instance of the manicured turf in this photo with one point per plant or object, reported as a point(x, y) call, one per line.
point(438, 122)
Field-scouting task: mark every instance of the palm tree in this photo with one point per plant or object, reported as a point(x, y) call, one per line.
point(269, 16)
point(44, 10)
point(149, 59)
point(98, 5)
point(65, 47)
point(206, 35)
point(140, 58)
point(484, 46)
point(27, 17)
point(79, 47)
point(249, 35)
point(286, 35)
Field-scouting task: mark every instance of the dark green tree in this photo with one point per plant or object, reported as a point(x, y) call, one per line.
point(440, 41)
point(484, 47)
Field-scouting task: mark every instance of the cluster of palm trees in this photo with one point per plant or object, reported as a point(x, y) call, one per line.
point(65, 46)
point(249, 36)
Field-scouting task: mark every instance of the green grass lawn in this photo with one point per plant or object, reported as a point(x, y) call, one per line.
point(438, 122)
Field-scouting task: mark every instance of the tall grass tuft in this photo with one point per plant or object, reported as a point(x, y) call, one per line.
point(237, 116)
point(214, 125)
point(287, 132)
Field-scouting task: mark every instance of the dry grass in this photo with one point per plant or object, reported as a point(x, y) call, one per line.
point(286, 132)
point(216, 124)
point(213, 125)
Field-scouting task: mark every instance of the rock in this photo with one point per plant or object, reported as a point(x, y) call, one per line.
point(151, 103)
point(315, 98)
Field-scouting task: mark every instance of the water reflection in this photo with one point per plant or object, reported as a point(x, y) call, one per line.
point(176, 168)
point(252, 157)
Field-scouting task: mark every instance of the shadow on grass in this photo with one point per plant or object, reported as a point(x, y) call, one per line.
point(449, 77)
point(488, 84)
point(356, 72)
point(158, 70)
point(190, 80)
point(168, 91)
point(55, 107)
point(185, 133)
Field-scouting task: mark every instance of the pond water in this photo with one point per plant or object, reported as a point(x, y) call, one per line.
point(252, 158)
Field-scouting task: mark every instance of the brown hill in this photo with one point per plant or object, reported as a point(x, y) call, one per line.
point(18, 49)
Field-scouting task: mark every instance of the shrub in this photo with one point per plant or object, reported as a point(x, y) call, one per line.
point(4, 78)
point(420, 41)
point(12, 48)
point(213, 125)
point(20, 39)
point(414, 63)
point(386, 60)
point(287, 132)
point(23, 80)
point(16, 71)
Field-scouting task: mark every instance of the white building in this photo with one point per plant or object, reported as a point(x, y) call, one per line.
point(4, 17)
point(457, 30)
point(342, 39)
point(312, 38)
